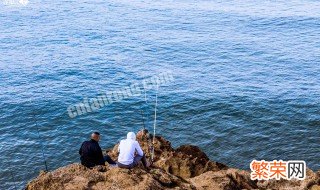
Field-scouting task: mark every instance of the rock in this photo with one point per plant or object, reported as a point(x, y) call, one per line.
point(186, 167)
point(76, 176)
point(188, 161)
point(224, 179)
point(311, 180)
point(315, 187)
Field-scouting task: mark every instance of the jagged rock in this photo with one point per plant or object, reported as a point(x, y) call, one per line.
point(188, 161)
point(76, 176)
point(224, 179)
point(311, 180)
point(315, 187)
point(187, 167)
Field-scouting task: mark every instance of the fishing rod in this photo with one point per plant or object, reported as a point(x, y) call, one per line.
point(14, 181)
point(142, 111)
point(145, 107)
point(154, 123)
point(145, 121)
point(143, 118)
point(42, 146)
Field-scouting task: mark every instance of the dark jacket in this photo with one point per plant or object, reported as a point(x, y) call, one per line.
point(91, 154)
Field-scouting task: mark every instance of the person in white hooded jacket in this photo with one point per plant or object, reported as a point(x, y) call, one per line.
point(130, 153)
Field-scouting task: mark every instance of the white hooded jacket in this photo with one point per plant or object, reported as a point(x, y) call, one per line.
point(127, 149)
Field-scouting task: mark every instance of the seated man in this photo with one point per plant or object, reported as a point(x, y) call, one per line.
point(130, 153)
point(91, 154)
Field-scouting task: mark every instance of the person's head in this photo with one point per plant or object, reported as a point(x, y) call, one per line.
point(95, 136)
point(131, 136)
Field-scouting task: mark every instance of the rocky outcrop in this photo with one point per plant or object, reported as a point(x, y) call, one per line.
point(186, 167)
point(78, 177)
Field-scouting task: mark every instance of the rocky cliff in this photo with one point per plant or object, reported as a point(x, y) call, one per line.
point(186, 167)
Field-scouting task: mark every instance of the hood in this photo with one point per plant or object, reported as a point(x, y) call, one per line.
point(131, 136)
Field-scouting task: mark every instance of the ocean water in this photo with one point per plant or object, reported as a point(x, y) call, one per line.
point(246, 78)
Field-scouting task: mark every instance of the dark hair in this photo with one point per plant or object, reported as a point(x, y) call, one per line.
point(96, 133)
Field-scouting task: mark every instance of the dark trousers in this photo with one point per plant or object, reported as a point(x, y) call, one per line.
point(135, 162)
point(109, 160)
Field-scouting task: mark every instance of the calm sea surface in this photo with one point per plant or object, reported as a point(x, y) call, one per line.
point(247, 83)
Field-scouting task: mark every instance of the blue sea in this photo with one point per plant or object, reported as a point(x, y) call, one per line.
point(246, 78)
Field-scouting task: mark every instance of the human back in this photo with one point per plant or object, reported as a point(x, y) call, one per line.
point(128, 148)
point(91, 153)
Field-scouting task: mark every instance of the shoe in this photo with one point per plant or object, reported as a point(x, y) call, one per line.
point(113, 165)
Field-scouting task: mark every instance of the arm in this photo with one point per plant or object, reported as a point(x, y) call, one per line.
point(100, 156)
point(138, 149)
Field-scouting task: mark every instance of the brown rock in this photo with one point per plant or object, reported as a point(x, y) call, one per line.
point(75, 176)
point(315, 187)
point(187, 167)
point(311, 180)
point(188, 161)
point(224, 179)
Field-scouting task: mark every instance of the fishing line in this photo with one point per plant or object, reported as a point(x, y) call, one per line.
point(146, 116)
point(14, 181)
point(154, 123)
point(143, 118)
point(42, 146)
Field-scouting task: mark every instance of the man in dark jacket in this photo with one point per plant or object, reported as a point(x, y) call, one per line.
point(91, 153)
